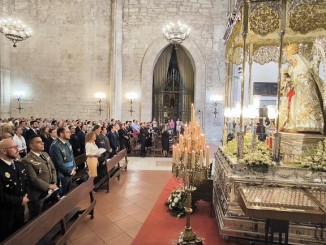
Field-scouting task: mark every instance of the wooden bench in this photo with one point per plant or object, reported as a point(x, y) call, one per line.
point(111, 164)
point(55, 225)
point(81, 166)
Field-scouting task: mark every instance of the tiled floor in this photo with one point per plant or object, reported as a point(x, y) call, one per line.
point(120, 214)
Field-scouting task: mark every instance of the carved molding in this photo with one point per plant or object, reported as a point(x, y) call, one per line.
point(307, 17)
point(264, 20)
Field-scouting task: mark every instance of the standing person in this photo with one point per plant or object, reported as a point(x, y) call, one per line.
point(20, 141)
point(155, 125)
point(178, 127)
point(81, 137)
point(92, 157)
point(165, 140)
point(49, 140)
point(143, 134)
point(123, 136)
point(32, 131)
point(13, 197)
point(172, 125)
point(41, 174)
point(45, 135)
point(104, 142)
point(63, 159)
point(74, 141)
point(114, 140)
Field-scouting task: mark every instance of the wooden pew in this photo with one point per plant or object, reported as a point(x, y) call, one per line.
point(110, 165)
point(56, 222)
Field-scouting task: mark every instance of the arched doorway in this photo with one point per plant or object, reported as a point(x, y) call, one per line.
point(173, 85)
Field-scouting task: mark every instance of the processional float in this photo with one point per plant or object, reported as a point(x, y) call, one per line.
point(292, 34)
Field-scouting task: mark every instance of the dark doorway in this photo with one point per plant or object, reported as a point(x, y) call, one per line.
point(173, 86)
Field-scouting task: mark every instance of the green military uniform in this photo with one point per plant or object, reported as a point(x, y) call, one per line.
point(40, 173)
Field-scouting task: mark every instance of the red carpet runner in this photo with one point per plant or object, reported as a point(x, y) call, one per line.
point(161, 228)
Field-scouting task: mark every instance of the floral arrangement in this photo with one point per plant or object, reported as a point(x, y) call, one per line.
point(177, 202)
point(260, 158)
point(315, 158)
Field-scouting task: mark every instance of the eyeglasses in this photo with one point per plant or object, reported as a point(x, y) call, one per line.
point(16, 146)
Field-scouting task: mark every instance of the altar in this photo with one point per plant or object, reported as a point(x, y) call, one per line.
point(301, 200)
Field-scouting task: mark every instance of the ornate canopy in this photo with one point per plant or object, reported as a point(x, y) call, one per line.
point(304, 21)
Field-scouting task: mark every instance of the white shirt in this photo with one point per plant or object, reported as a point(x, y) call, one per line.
point(20, 141)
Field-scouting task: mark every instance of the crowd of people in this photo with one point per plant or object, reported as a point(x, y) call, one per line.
point(37, 157)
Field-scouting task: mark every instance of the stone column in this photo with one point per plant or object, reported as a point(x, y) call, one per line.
point(5, 91)
point(116, 60)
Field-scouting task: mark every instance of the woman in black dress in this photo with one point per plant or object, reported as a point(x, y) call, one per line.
point(165, 140)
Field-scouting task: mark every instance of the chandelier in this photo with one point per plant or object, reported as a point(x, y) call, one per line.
point(15, 31)
point(176, 33)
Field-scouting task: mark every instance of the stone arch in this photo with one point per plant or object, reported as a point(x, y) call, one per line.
point(147, 68)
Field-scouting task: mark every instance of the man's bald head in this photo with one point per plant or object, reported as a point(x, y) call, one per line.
point(8, 149)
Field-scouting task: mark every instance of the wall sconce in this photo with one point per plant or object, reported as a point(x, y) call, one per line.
point(131, 97)
point(216, 99)
point(19, 95)
point(100, 96)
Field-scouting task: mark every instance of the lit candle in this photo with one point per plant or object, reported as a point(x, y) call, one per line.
point(185, 157)
point(189, 143)
point(201, 155)
point(193, 159)
point(178, 156)
point(207, 156)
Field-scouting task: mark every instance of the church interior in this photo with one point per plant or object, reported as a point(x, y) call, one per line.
point(213, 111)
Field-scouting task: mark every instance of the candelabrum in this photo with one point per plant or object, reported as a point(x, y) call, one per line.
point(189, 166)
point(216, 99)
point(100, 96)
point(131, 97)
point(131, 110)
point(19, 95)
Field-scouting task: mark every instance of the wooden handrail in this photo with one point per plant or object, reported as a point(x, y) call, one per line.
point(33, 232)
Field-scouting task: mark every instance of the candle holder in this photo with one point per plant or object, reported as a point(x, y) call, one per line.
point(189, 166)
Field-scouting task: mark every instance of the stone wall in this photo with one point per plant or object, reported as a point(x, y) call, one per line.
point(66, 60)
point(68, 57)
point(142, 38)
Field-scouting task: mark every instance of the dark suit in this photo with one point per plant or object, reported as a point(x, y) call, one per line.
point(114, 142)
point(63, 159)
point(40, 174)
point(12, 191)
point(74, 141)
point(30, 133)
point(123, 138)
point(143, 134)
point(81, 138)
point(47, 144)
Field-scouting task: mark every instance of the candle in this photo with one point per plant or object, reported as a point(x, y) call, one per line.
point(201, 158)
point(178, 156)
point(207, 156)
point(189, 143)
point(185, 157)
point(193, 159)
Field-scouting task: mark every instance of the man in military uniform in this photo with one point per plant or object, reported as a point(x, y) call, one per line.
point(63, 159)
point(13, 197)
point(41, 174)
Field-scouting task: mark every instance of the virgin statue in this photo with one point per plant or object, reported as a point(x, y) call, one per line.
point(304, 98)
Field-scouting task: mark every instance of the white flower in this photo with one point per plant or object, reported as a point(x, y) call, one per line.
point(173, 204)
point(176, 200)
